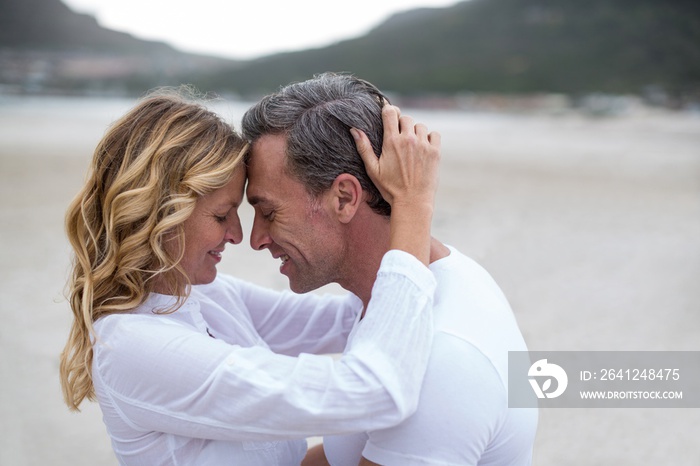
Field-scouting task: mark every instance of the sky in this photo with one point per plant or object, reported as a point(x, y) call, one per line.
point(245, 29)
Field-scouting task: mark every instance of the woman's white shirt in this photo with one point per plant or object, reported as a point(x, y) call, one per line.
point(228, 378)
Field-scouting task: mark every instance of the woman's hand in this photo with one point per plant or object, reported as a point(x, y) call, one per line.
point(407, 169)
point(406, 174)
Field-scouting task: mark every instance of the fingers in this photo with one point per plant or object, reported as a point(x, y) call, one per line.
point(421, 131)
point(434, 139)
point(364, 148)
point(406, 125)
point(390, 118)
point(395, 123)
point(407, 166)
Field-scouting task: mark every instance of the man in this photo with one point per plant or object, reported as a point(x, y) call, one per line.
point(319, 213)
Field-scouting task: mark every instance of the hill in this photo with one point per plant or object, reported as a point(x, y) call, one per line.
point(46, 47)
point(508, 46)
point(571, 47)
point(51, 25)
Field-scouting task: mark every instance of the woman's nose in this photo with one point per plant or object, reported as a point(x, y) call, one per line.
point(234, 233)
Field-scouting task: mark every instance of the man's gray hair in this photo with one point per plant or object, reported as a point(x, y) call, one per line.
point(316, 116)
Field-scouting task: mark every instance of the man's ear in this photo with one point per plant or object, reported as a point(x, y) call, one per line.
point(347, 196)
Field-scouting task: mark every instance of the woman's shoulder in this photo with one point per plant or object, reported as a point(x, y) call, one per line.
point(130, 323)
point(154, 313)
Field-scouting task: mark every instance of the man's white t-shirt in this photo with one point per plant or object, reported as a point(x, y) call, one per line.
point(463, 416)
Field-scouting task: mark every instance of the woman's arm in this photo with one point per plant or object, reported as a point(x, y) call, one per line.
point(163, 376)
point(292, 323)
point(406, 174)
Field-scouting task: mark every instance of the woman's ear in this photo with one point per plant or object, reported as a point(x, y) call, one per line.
point(347, 196)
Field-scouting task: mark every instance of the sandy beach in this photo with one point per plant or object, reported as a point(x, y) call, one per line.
point(590, 225)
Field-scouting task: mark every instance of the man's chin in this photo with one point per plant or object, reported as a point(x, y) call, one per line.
point(301, 287)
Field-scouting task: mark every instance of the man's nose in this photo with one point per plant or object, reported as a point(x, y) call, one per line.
point(260, 234)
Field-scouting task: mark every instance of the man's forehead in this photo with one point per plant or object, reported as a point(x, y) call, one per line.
point(254, 190)
point(266, 171)
point(268, 152)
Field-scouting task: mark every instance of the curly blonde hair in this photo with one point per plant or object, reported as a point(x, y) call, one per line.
point(144, 181)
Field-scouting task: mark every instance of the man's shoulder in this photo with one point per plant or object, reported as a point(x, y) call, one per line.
point(457, 262)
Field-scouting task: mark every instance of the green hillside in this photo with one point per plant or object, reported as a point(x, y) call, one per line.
point(47, 48)
point(511, 46)
point(500, 46)
point(51, 25)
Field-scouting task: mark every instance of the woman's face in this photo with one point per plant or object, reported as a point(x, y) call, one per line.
point(213, 223)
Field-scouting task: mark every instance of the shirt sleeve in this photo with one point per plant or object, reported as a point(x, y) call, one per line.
point(293, 323)
point(161, 376)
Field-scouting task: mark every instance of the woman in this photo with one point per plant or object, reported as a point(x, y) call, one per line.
point(184, 363)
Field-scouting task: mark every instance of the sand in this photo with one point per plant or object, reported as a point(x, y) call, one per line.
point(590, 225)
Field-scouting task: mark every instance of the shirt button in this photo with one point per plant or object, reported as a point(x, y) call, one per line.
point(230, 360)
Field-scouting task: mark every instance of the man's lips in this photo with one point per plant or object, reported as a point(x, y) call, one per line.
point(283, 257)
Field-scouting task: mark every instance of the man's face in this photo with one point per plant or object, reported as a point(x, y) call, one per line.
point(295, 227)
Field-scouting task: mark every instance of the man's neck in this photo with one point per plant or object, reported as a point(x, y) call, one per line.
point(369, 241)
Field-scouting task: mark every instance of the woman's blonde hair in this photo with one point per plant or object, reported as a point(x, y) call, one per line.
point(146, 176)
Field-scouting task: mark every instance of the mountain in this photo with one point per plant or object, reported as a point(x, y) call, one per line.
point(51, 25)
point(507, 46)
point(46, 47)
point(572, 47)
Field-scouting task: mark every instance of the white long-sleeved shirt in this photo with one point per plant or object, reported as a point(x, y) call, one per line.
point(172, 394)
